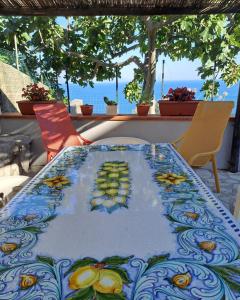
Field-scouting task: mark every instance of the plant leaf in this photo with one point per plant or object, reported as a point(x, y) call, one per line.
point(181, 228)
point(83, 294)
point(179, 202)
point(50, 218)
point(86, 261)
point(231, 283)
point(123, 273)
point(45, 260)
point(170, 218)
point(157, 259)
point(116, 260)
point(33, 229)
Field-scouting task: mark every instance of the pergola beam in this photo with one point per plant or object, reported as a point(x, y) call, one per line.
point(116, 7)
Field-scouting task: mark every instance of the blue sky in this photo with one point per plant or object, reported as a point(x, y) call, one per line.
point(174, 70)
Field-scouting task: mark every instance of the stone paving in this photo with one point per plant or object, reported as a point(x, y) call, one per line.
point(229, 183)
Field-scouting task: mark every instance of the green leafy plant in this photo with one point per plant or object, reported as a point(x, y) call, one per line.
point(133, 92)
point(109, 102)
point(210, 88)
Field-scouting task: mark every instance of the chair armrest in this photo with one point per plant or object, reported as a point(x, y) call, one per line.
point(210, 153)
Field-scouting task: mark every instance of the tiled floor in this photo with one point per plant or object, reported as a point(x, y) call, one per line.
point(229, 183)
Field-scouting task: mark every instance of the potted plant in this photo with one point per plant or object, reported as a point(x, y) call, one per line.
point(178, 102)
point(34, 94)
point(133, 93)
point(86, 109)
point(111, 106)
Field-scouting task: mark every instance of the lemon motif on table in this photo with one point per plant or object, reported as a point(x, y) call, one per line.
point(100, 180)
point(109, 282)
point(8, 248)
point(83, 277)
point(120, 199)
point(102, 173)
point(98, 193)
point(112, 192)
point(181, 280)
point(125, 185)
point(103, 186)
point(27, 281)
point(30, 217)
point(108, 203)
point(124, 179)
point(170, 178)
point(113, 175)
point(208, 246)
point(112, 186)
point(57, 181)
point(97, 201)
point(191, 215)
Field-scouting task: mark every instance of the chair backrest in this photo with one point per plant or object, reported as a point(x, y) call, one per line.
point(56, 127)
point(206, 131)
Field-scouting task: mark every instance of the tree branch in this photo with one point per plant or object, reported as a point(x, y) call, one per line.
point(126, 62)
point(120, 53)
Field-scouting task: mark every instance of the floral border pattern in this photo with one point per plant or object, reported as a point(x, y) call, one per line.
point(205, 264)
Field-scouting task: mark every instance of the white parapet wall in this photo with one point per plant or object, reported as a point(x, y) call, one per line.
point(154, 131)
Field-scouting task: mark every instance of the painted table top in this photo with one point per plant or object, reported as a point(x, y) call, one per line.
point(118, 222)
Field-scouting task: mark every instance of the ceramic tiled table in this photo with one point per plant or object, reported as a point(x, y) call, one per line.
point(118, 222)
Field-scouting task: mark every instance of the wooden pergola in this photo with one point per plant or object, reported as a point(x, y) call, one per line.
point(116, 7)
point(129, 7)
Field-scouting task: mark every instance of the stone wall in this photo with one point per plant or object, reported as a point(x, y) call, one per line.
point(11, 83)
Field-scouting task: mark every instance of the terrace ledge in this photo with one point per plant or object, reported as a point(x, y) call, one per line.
point(103, 117)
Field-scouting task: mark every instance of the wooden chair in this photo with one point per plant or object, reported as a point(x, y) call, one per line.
point(203, 139)
point(57, 128)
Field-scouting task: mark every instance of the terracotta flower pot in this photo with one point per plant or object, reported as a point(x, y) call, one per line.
point(26, 106)
point(174, 108)
point(143, 109)
point(112, 110)
point(87, 110)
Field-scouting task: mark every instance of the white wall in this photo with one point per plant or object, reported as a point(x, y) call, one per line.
point(152, 131)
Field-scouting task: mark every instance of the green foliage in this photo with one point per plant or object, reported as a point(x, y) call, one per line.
point(81, 263)
point(157, 259)
point(83, 294)
point(45, 260)
point(93, 45)
point(116, 260)
point(210, 89)
point(133, 92)
point(4, 58)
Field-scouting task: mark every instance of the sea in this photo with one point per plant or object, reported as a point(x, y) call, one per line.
point(95, 95)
